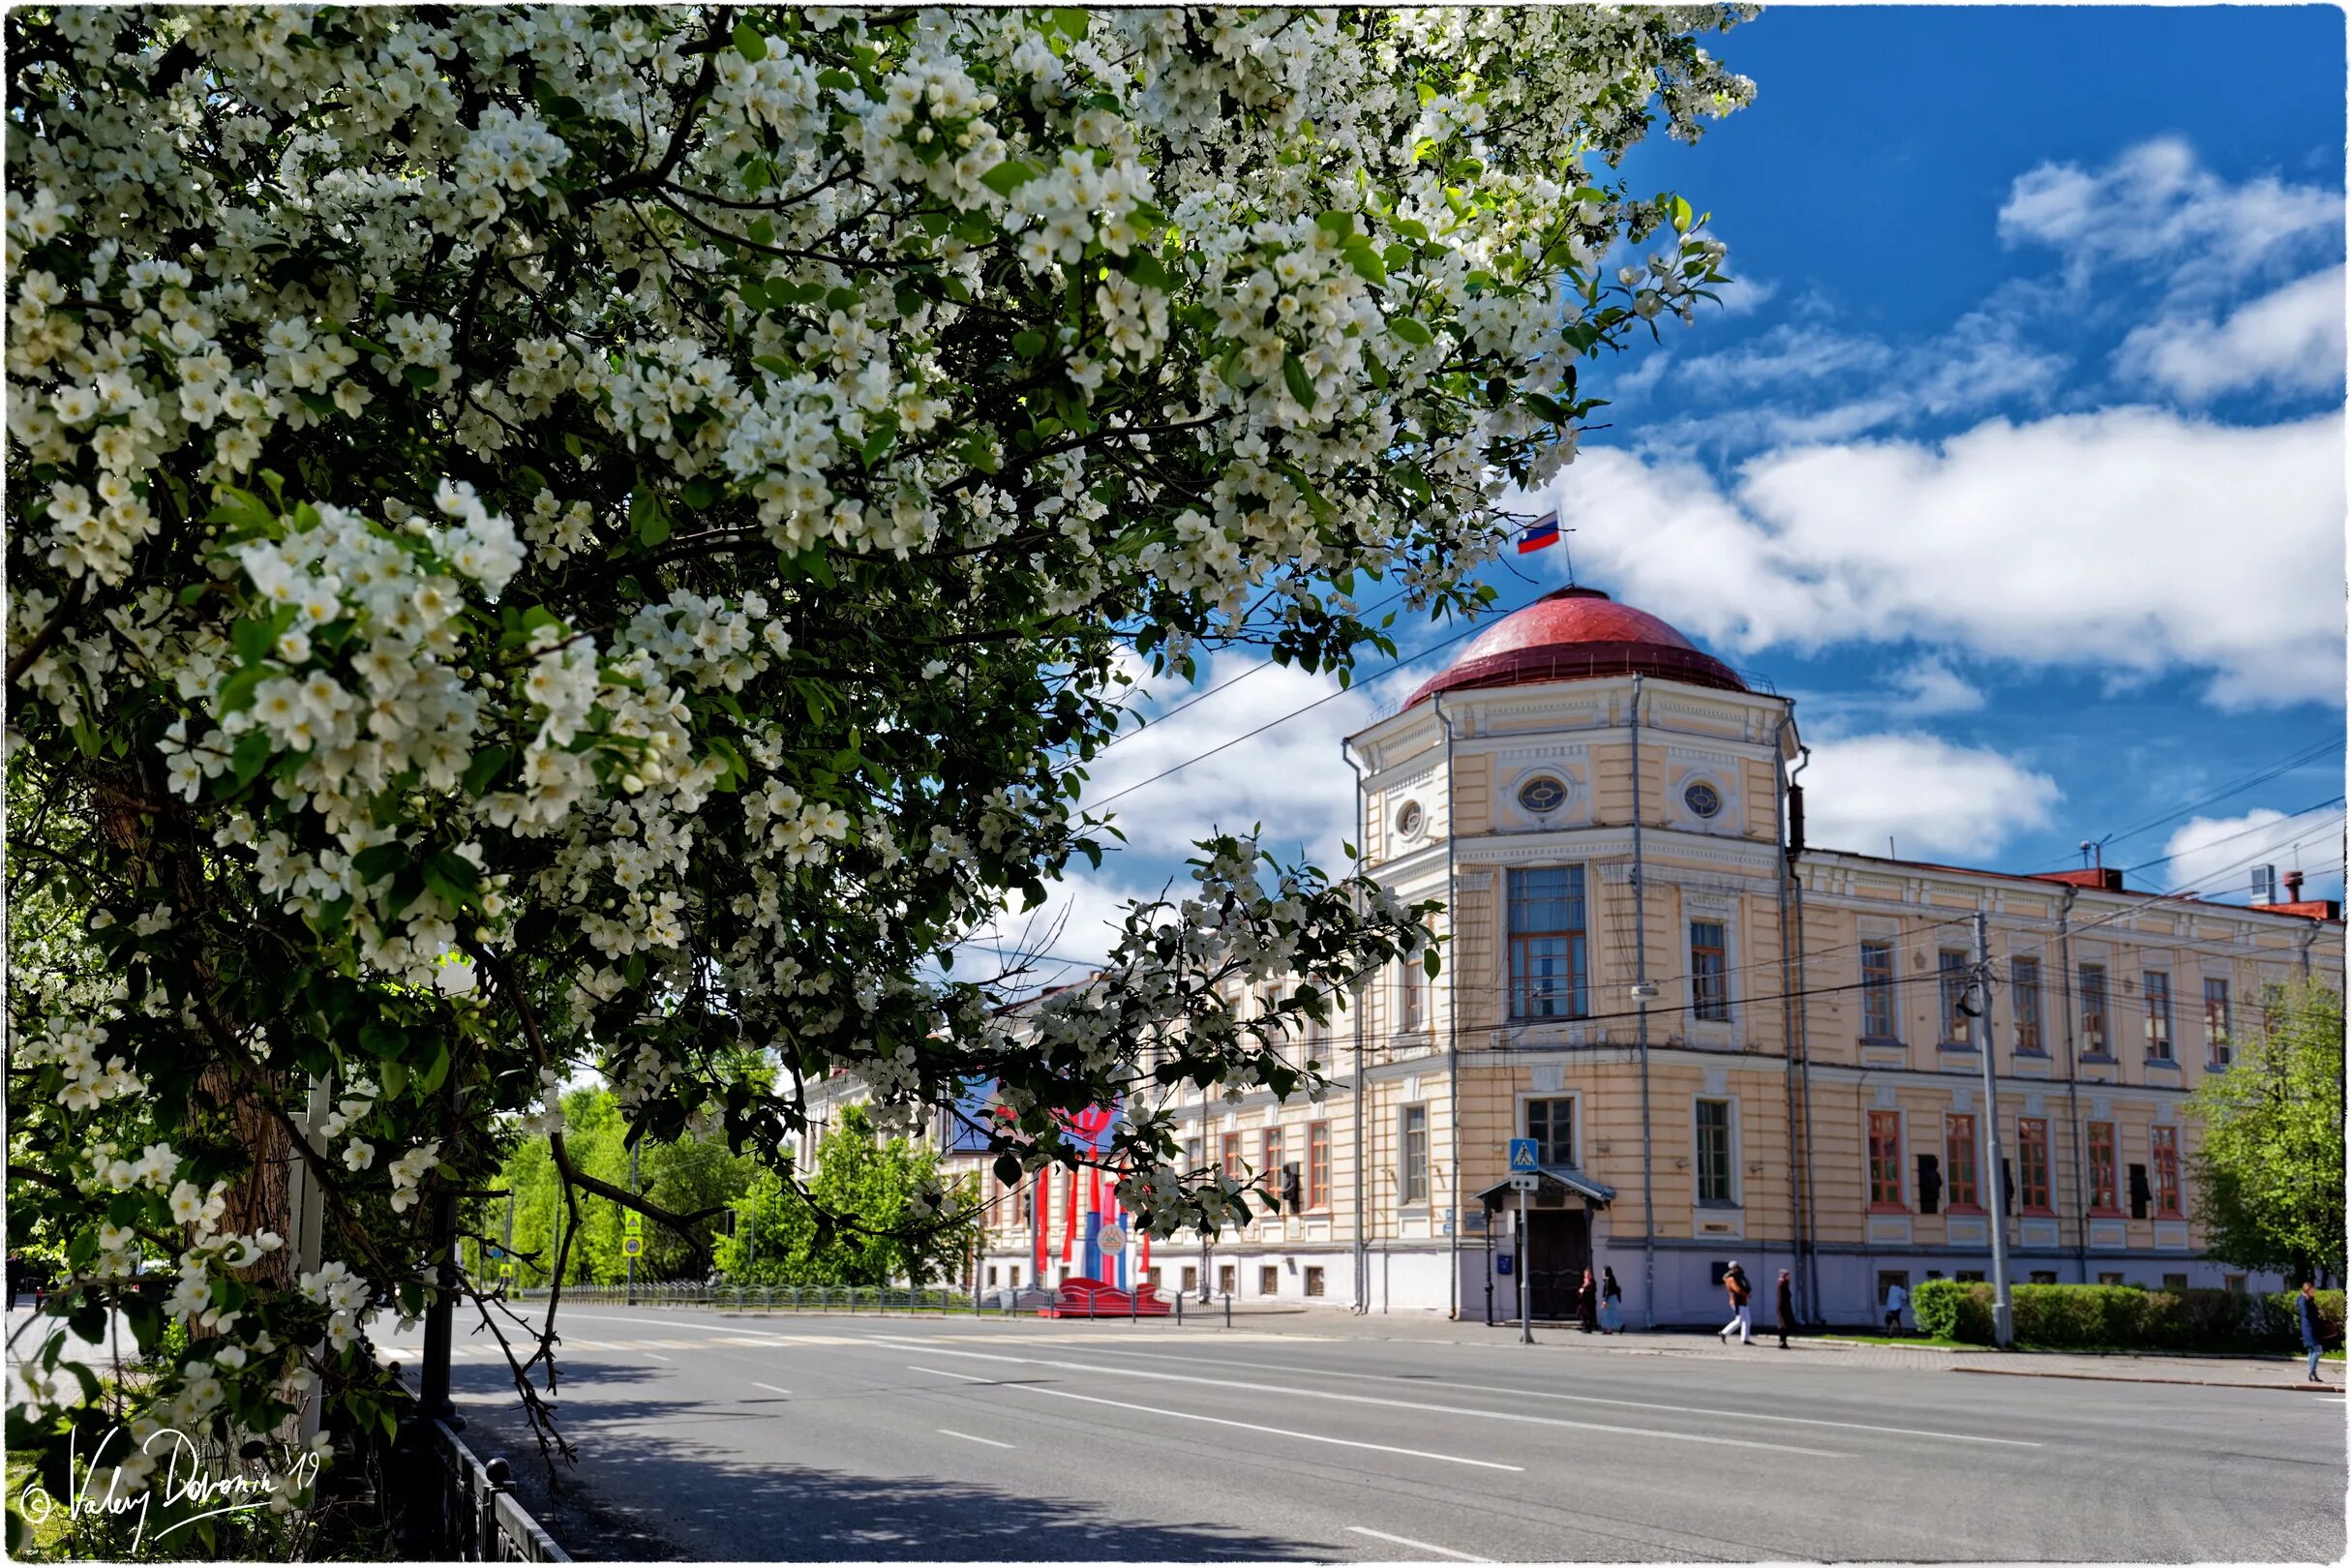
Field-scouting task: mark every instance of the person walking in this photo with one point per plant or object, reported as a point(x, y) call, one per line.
point(1611, 1303)
point(1897, 1298)
point(1735, 1286)
point(2313, 1329)
point(1587, 1303)
point(1786, 1306)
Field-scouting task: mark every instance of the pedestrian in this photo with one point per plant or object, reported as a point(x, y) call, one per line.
point(2314, 1330)
point(1786, 1306)
point(15, 1276)
point(1611, 1303)
point(1735, 1286)
point(1587, 1303)
point(1895, 1298)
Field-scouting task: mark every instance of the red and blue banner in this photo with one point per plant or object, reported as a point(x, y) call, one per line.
point(1543, 532)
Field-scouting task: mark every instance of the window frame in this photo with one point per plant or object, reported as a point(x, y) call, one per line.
point(1412, 998)
point(1709, 970)
point(2096, 1008)
point(1271, 1144)
point(1961, 1153)
point(1545, 1141)
point(1526, 944)
point(2220, 1042)
point(2163, 1160)
point(1877, 994)
point(1228, 1155)
point(1950, 990)
point(1880, 1166)
point(1319, 1165)
point(2025, 987)
point(2033, 1166)
point(2154, 987)
point(1730, 1198)
point(2104, 1197)
point(1413, 1155)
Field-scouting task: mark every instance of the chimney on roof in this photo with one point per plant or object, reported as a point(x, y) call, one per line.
point(2293, 887)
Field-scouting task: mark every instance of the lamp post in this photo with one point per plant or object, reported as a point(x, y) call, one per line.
point(1979, 1007)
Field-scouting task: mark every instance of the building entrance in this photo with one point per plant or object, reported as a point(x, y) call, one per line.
point(1558, 1250)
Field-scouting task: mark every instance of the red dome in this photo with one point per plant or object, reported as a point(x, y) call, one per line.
point(1578, 634)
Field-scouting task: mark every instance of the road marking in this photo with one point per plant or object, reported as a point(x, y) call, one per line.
point(649, 1355)
point(1578, 1399)
point(772, 1389)
point(1219, 1421)
point(1417, 1546)
point(945, 1431)
point(1416, 1405)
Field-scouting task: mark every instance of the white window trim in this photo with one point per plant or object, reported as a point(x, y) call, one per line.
point(1575, 1117)
point(1403, 1201)
point(1720, 913)
point(1738, 1184)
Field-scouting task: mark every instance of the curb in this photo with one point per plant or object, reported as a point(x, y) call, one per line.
point(2176, 1382)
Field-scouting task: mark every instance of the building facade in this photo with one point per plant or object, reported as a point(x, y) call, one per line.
point(1726, 1044)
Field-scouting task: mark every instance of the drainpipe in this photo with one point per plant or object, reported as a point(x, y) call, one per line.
point(2073, 1093)
point(2307, 938)
point(1453, 1032)
point(1362, 1258)
point(1641, 986)
point(1787, 868)
point(1803, 1035)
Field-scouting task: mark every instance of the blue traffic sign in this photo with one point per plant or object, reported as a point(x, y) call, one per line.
point(1523, 1154)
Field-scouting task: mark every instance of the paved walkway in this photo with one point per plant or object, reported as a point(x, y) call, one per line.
point(2233, 1371)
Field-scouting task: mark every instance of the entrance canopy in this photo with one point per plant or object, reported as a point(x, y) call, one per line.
point(1553, 1186)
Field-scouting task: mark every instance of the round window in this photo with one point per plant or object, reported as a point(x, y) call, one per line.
point(1542, 796)
point(1408, 820)
point(1701, 799)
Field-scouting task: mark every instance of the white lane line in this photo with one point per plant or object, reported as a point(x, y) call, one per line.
point(1418, 1406)
point(772, 1389)
point(1417, 1546)
point(649, 1355)
point(1219, 1421)
point(946, 1432)
point(1578, 1399)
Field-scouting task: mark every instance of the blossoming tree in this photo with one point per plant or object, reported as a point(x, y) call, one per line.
point(560, 537)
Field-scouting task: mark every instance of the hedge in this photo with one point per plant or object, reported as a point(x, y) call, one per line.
point(2123, 1317)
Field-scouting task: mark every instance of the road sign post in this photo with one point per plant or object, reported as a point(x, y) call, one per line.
point(1526, 1321)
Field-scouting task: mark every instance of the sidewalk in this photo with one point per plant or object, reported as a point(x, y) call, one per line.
point(2283, 1371)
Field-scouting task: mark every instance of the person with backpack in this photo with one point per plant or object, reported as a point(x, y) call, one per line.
point(1735, 1286)
point(2313, 1327)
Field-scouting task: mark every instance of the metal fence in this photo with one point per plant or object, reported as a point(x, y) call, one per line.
point(472, 1515)
point(893, 1300)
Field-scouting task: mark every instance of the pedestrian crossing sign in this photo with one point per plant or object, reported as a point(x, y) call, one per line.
point(1522, 1155)
point(632, 1223)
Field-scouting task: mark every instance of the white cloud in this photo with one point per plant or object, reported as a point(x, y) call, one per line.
point(1292, 778)
point(1743, 297)
point(1931, 797)
point(2130, 541)
point(2156, 206)
point(2291, 339)
point(2216, 855)
point(1930, 686)
point(1075, 928)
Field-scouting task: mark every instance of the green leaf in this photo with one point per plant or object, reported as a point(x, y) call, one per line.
point(251, 756)
point(1336, 223)
point(762, 230)
point(1301, 384)
point(237, 695)
point(484, 769)
point(379, 860)
point(1367, 262)
point(1431, 963)
point(423, 377)
point(748, 44)
point(1027, 342)
point(699, 494)
point(1411, 330)
point(1010, 177)
point(878, 444)
point(454, 878)
point(1680, 211)
point(435, 1071)
point(647, 518)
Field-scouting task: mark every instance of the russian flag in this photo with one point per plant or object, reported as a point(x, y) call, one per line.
point(1543, 532)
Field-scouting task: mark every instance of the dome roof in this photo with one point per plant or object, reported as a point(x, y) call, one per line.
point(1578, 634)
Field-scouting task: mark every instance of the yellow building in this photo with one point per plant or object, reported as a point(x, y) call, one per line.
point(1726, 1043)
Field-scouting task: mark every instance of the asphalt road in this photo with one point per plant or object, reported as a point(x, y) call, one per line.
point(708, 1435)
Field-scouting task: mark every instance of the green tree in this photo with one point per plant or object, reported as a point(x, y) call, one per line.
point(2270, 1168)
point(865, 1217)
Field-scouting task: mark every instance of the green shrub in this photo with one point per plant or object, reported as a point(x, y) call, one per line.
point(2125, 1318)
point(2277, 1320)
point(1950, 1309)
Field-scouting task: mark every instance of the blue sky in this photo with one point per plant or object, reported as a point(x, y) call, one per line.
point(2015, 457)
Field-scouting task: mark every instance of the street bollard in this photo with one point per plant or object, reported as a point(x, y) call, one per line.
point(1179, 1308)
point(1229, 1309)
